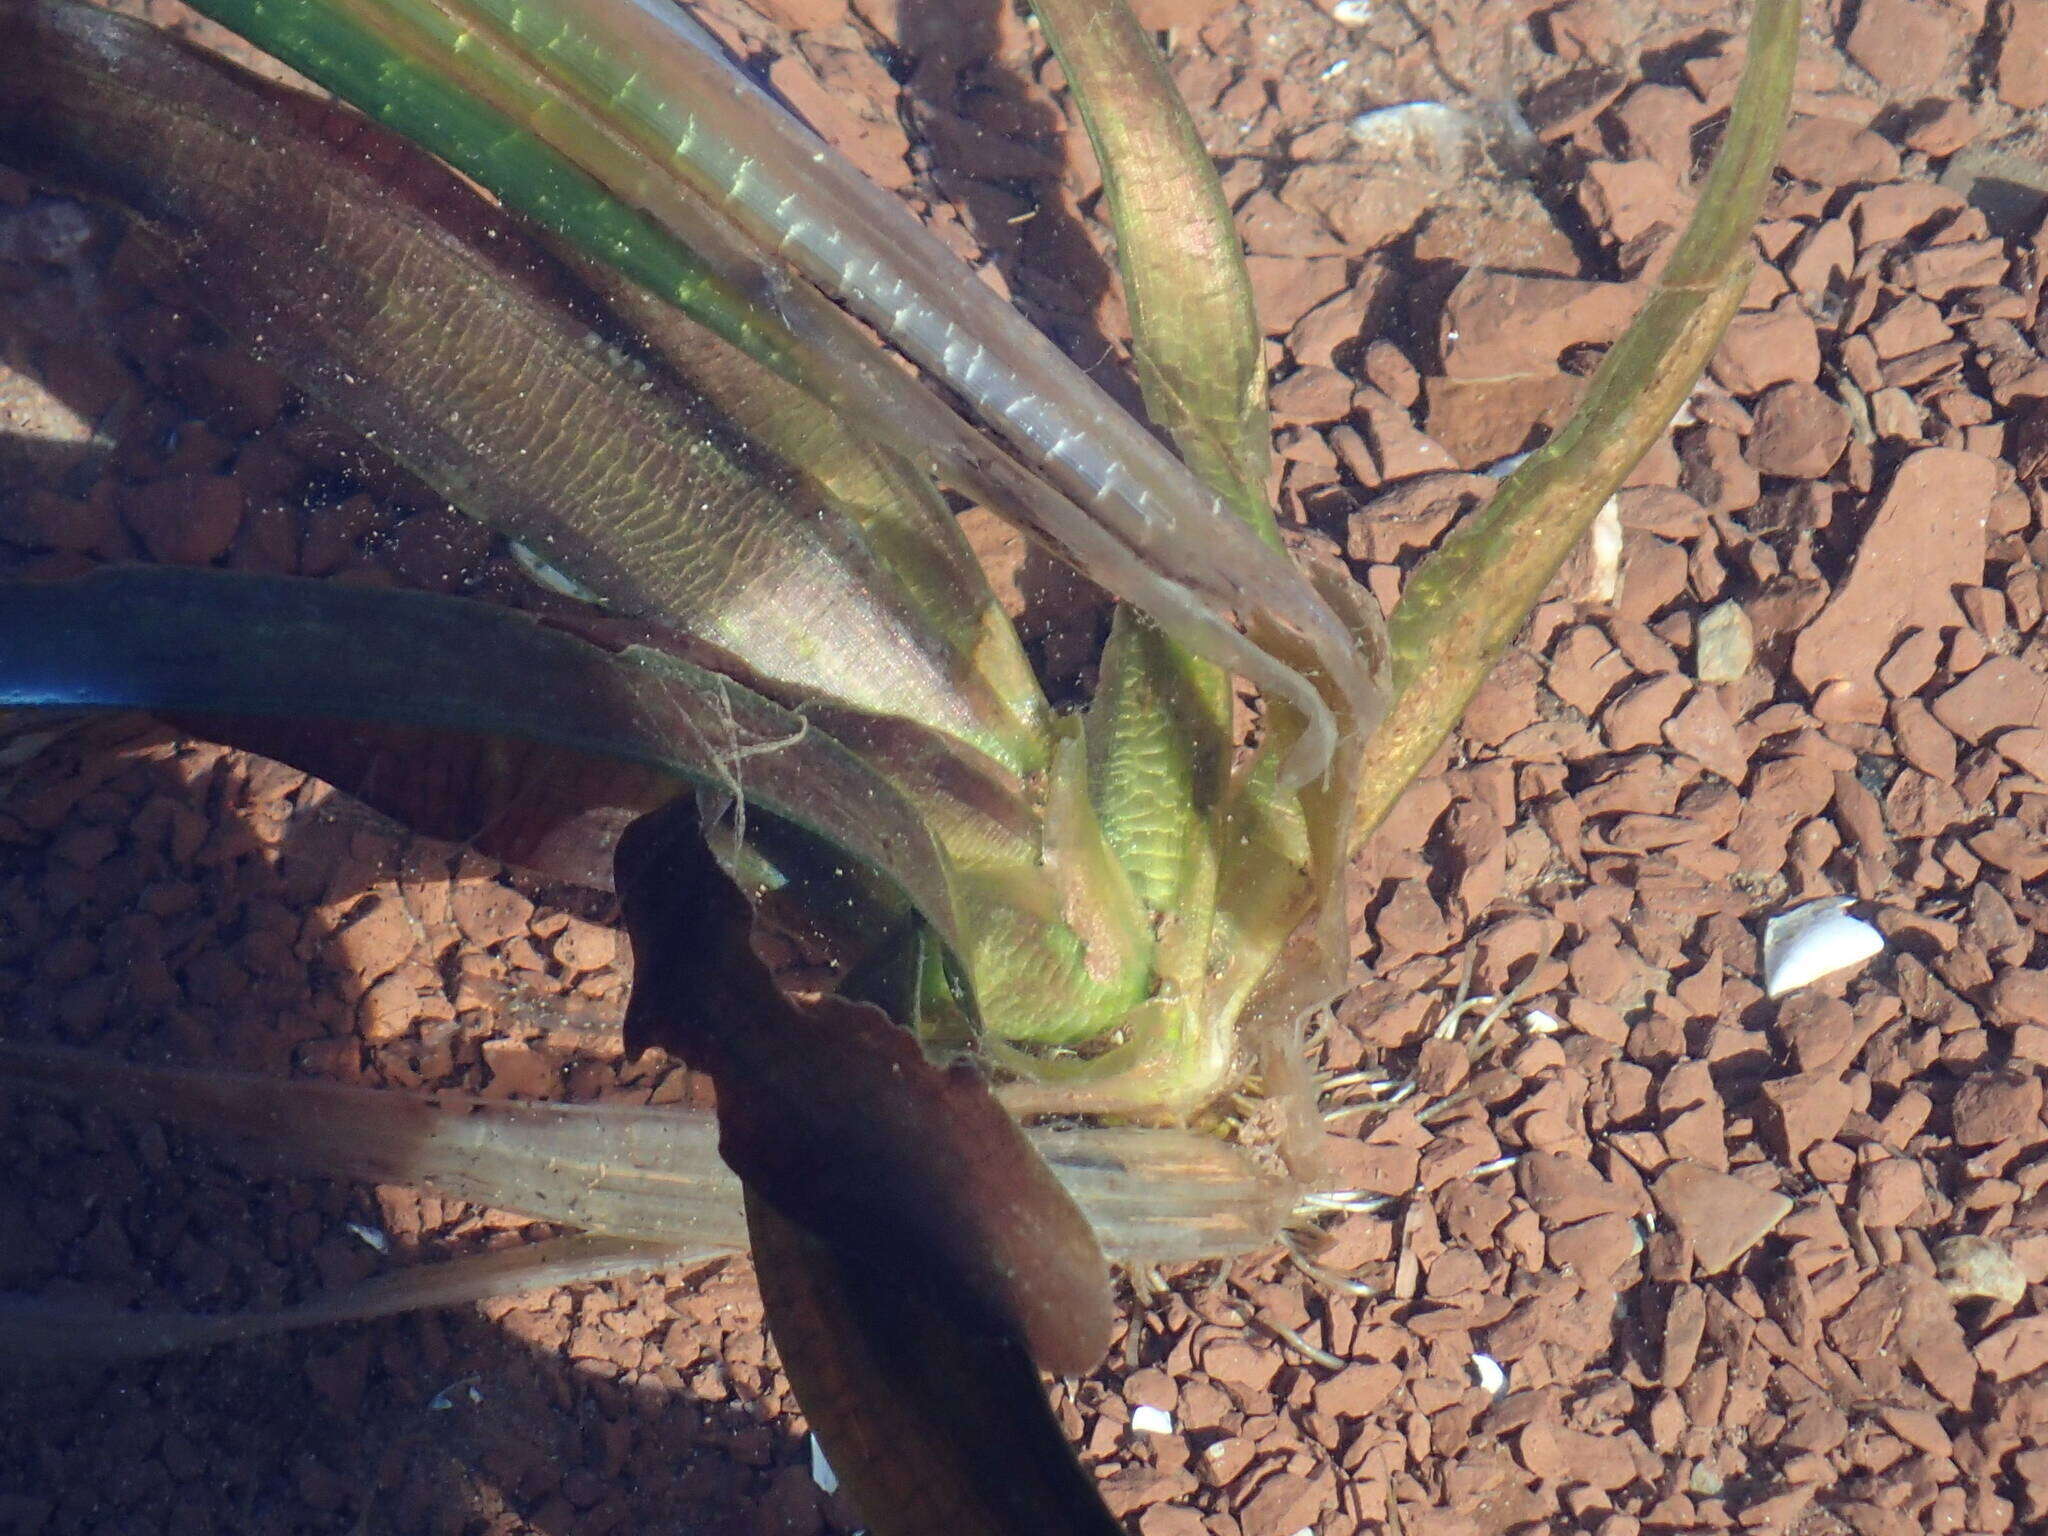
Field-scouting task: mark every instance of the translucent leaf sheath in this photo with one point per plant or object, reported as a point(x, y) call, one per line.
point(1151, 532)
point(650, 1174)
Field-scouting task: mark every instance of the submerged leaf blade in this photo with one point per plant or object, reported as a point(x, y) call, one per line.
point(1091, 482)
point(1195, 334)
point(217, 643)
point(393, 295)
point(1468, 600)
point(934, 1429)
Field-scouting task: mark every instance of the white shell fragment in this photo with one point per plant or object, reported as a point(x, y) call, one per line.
point(1541, 1021)
point(1147, 1420)
point(1490, 1374)
point(444, 1400)
point(1815, 940)
point(549, 577)
point(371, 1237)
point(1428, 132)
point(821, 1469)
point(1605, 539)
point(1351, 13)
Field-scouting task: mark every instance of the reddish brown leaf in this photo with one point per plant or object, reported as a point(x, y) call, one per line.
point(935, 1428)
point(904, 1168)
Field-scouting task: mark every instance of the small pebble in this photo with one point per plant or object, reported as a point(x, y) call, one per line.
point(1725, 645)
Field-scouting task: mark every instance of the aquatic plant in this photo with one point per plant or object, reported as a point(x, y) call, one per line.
point(791, 698)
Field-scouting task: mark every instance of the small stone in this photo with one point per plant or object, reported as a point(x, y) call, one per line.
point(1922, 739)
point(1777, 346)
point(1571, 102)
point(388, 1009)
point(1910, 667)
point(1890, 1192)
point(378, 938)
point(1703, 731)
point(1284, 1505)
point(1150, 1388)
point(1822, 260)
point(1358, 1391)
point(1723, 1217)
point(1411, 516)
point(1401, 449)
point(1911, 325)
point(1498, 324)
point(1939, 127)
point(1800, 432)
point(1804, 1110)
point(1926, 539)
point(1585, 668)
point(1373, 1167)
point(2002, 1106)
point(1312, 394)
point(2020, 997)
point(1594, 1249)
point(1481, 421)
point(2018, 1349)
point(1637, 718)
point(1284, 288)
point(490, 912)
point(519, 1068)
point(1817, 1030)
point(1224, 1459)
point(186, 519)
point(2023, 55)
point(2002, 693)
point(1172, 1520)
point(1714, 472)
point(1656, 123)
point(1979, 1268)
point(1237, 1363)
point(583, 947)
point(1905, 44)
point(1724, 644)
point(1629, 199)
point(2026, 748)
point(1899, 208)
point(1833, 152)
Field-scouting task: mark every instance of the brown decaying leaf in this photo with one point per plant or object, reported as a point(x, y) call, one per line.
point(935, 1428)
point(903, 1167)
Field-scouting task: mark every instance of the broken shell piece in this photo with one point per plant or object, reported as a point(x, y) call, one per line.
point(1351, 13)
point(1605, 539)
point(445, 1400)
point(1490, 1374)
point(1979, 1269)
point(1815, 940)
point(548, 576)
point(1147, 1420)
point(821, 1469)
point(1433, 136)
point(1541, 1021)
